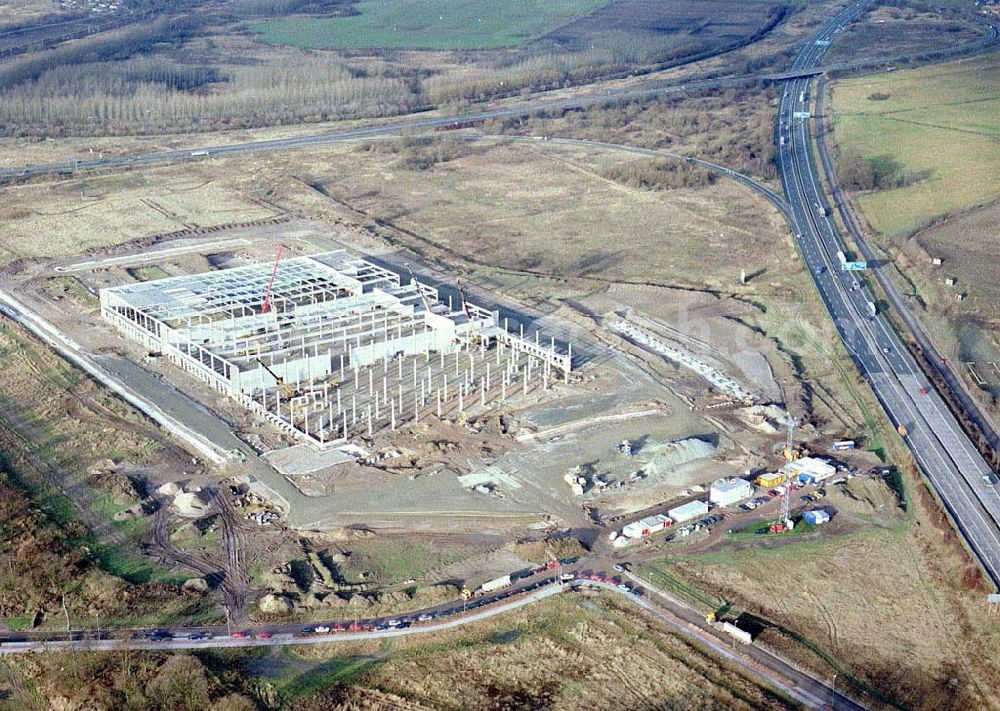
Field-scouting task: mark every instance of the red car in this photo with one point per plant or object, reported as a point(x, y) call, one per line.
point(240, 635)
point(264, 635)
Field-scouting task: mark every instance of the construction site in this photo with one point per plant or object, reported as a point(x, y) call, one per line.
point(329, 346)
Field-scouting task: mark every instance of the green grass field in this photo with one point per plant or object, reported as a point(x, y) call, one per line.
point(940, 122)
point(429, 24)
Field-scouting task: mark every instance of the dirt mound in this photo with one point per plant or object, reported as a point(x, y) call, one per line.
point(538, 551)
point(868, 497)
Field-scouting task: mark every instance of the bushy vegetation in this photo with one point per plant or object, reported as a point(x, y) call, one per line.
point(659, 174)
point(733, 128)
point(881, 172)
point(137, 682)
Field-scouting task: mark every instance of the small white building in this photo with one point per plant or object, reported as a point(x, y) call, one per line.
point(809, 470)
point(726, 492)
point(646, 526)
point(688, 511)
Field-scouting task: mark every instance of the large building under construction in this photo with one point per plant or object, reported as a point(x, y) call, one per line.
point(331, 345)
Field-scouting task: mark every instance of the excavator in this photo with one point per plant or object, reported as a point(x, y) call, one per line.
point(286, 391)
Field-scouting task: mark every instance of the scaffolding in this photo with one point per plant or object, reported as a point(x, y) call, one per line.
point(344, 348)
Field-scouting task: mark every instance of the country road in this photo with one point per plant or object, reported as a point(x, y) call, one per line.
point(757, 662)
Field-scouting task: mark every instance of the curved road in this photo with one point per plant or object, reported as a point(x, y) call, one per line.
point(757, 662)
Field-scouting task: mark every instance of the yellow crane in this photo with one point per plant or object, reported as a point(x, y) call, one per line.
point(473, 334)
point(423, 296)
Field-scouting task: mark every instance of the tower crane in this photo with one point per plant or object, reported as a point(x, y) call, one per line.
point(784, 522)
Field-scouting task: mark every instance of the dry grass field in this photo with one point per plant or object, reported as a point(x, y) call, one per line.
point(893, 31)
point(553, 212)
point(901, 608)
point(573, 652)
point(16, 11)
point(98, 211)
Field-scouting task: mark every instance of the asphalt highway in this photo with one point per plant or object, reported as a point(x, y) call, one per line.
point(958, 389)
point(947, 458)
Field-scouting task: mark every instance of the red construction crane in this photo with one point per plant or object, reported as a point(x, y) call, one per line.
point(270, 283)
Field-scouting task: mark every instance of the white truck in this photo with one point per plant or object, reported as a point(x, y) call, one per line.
point(496, 584)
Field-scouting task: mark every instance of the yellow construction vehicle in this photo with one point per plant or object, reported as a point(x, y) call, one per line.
point(286, 391)
point(473, 334)
point(423, 296)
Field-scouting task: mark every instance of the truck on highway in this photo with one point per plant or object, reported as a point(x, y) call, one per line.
point(781, 141)
point(841, 257)
point(821, 210)
point(802, 97)
point(871, 308)
point(496, 584)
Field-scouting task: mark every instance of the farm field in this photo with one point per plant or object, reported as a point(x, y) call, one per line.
point(968, 329)
point(429, 24)
point(939, 125)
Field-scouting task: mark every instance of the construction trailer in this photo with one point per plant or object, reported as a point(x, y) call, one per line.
point(726, 492)
point(496, 584)
point(816, 517)
point(809, 470)
point(771, 479)
point(688, 511)
point(647, 526)
point(342, 347)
